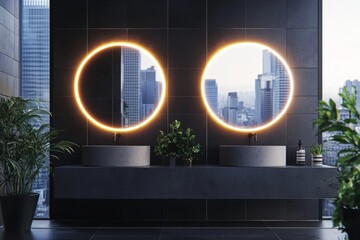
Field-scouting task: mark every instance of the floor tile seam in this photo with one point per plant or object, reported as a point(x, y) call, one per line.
point(297, 228)
point(93, 236)
point(154, 228)
point(210, 228)
point(275, 234)
point(269, 228)
point(64, 227)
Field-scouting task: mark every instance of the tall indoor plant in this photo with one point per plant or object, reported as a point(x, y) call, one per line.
point(347, 202)
point(26, 143)
point(178, 143)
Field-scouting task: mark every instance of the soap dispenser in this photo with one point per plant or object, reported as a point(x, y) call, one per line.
point(300, 154)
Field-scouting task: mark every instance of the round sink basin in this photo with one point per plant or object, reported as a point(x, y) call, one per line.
point(252, 156)
point(115, 156)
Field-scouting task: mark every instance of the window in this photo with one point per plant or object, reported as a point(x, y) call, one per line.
point(35, 74)
point(341, 54)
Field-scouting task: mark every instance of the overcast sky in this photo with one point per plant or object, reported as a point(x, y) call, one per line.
point(341, 44)
point(236, 68)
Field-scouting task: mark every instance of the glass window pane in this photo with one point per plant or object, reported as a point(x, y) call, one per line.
point(341, 53)
point(35, 75)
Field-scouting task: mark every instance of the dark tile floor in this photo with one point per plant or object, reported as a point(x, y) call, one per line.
point(261, 230)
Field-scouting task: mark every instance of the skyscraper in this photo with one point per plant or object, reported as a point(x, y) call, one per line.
point(148, 90)
point(272, 88)
point(281, 85)
point(211, 92)
point(356, 84)
point(264, 97)
point(232, 107)
point(131, 86)
point(35, 74)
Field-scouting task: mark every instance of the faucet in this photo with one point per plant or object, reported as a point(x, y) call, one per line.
point(117, 138)
point(254, 136)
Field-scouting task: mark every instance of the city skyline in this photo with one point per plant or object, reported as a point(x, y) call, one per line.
point(271, 93)
point(140, 90)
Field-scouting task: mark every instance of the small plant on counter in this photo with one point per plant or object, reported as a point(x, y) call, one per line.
point(317, 149)
point(316, 153)
point(178, 143)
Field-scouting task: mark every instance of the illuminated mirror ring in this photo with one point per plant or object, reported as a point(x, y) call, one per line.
point(92, 118)
point(219, 92)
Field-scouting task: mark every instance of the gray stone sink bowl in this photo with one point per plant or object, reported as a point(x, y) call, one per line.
point(115, 156)
point(252, 156)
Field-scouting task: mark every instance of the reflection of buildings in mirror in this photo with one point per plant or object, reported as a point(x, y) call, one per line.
point(211, 92)
point(230, 112)
point(151, 91)
point(140, 92)
point(130, 86)
point(271, 88)
point(271, 95)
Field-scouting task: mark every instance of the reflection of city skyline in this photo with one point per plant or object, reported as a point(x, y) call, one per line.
point(139, 90)
point(247, 108)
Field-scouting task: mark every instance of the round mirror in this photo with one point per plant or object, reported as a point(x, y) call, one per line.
point(120, 86)
point(246, 86)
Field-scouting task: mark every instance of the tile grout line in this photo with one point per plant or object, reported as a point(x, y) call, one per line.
point(269, 228)
point(98, 229)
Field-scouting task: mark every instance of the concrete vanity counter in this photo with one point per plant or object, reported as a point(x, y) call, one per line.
point(197, 182)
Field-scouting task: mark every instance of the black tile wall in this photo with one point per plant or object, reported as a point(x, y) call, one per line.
point(187, 48)
point(219, 37)
point(187, 14)
point(147, 14)
point(302, 14)
point(266, 13)
point(115, 12)
point(229, 15)
point(302, 48)
point(183, 34)
point(69, 14)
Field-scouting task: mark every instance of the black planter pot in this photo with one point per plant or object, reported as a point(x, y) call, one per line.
point(351, 221)
point(18, 211)
point(168, 161)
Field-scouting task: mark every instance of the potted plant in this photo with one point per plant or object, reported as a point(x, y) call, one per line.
point(178, 143)
point(347, 202)
point(316, 153)
point(26, 143)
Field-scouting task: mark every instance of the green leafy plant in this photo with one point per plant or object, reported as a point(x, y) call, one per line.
point(178, 142)
point(317, 149)
point(348, 163)
point(26, 142)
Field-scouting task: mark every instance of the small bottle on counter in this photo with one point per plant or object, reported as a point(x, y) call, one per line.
point(300, 154)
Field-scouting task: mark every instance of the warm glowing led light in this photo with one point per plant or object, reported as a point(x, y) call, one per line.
point(92, 118)
point(235, 128)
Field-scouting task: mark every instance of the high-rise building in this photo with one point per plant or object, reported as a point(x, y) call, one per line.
point(148, 90)
point(35, 74)
point(356, 84)
point(131, 85)
point(211, 92)
point(272, 88)
point(232, 104)
point(264, 97)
